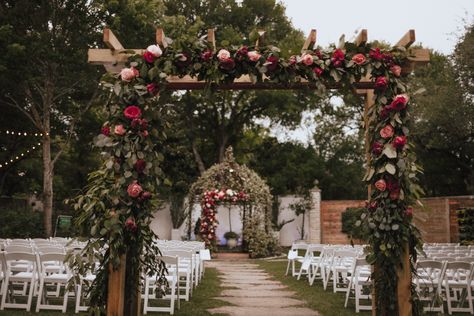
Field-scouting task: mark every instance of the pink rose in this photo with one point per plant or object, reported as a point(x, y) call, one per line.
point(223, 54)
point(132, 112)
point(119, 130)
point(221, 195)
point(254, 56)
point(146, 195)
point(155, 50)
point(105, 130)
point(140, 165)
point(387, 131)
point(134, 189)
point(128, 74)
point(359, 59)
point(381, 185)
point(399, 102)
point(318, 71)
point(145, 133)
point(399, 142)
point(381, 83)
point(149, 57)
point(396, 70)
point(307, 59)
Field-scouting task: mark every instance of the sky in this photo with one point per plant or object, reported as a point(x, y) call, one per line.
point(437, 23)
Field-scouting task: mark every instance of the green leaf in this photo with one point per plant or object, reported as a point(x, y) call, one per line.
point(390, 168)
point(390, 151)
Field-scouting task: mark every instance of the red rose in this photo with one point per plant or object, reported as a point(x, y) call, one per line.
point(134, 189)
point(381, 185)
point(318, 54)
point(399, 102)
point(272, 63)
point(318, 71)
point(227, 64)
point(385, 112)
point(393, 185)
point(409, 212)
point(359, 59)
point(149, 57)
point(243, 51)
point(131, 225)
point(135, 123)
point(105, 130)
point(140, 165)
point(337, 58)
point(152, 88)
point(377, 148)
point(132, 112)
point(206, 55)
point(387, 131)
point(399, 142)
point(381, 83)
point(376, 54)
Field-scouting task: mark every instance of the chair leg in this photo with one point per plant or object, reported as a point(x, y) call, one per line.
point(30, 294)
point(173, 297)
point(78, 296)
point(5, 292)
point(287, 268)
point(40, 295)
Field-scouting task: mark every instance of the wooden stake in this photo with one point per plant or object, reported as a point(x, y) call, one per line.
point(310, 41)
point(161, 38)
point(407, 39)
point(260, 39)
point(111, 40)
point(361, 38)
point(211, 38)
point(404, 285)
point(116, 289)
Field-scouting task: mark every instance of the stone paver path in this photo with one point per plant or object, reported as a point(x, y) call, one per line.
point(253, 292)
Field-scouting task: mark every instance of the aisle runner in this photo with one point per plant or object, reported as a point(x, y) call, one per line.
point(253, 292)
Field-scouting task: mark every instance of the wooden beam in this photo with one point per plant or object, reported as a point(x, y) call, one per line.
point(260, 39)
point(310, 41)
point(111, 40)
point(161, 38)
point(407, 39)
point(211, 38)
point(361, 38)
point(115, 293)
point(106, 56)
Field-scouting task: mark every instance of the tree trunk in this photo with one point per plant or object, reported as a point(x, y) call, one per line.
point(198, 159)
point(47, 178)
point(222, 146)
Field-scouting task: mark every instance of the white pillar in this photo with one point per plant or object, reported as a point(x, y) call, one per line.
point(315, 217)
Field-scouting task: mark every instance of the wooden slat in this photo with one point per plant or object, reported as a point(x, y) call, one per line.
point(161, 38)
point(407, 39)
point(260, 39)
point(100, 56)
point(310, 41)
point(211, 38)
point(115, 294)
point(361, 38)
point(111, 40)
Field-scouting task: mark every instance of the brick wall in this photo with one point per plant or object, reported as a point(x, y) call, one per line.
point(436, 220)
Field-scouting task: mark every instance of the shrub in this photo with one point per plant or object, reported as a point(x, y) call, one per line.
point(349, 219)
point(466, 225)
point(19, 221)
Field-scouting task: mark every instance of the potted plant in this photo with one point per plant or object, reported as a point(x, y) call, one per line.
point(231, 238)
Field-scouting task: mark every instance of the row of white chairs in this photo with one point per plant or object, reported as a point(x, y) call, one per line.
point(344, 268)
point(31, 269)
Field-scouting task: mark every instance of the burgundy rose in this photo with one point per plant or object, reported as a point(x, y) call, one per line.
point(318, 71)
point(152, 88)
point(144, 124)
point(376, 54)
point(388, 58)
point(337, 58)
point(399, 142)
point(372, 205)
point(381, 83)
point(183, 60)
point(146, 195)
point(149, 57)
point(399, 102)
point(131, 225)
point(140, 165)
point(206, 55)
point(135, 123)
point(227, 64)
point(377, 148)
point(409, 212)
point(385, 112)
point(145, 133)
point(393, 185)
point(395, 194)
point(132, 112)
point(272, 63)
point(318, 54)
point(243, 51)
point(105, 130)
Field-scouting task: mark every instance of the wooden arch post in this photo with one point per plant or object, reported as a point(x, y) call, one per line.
point(114, 58)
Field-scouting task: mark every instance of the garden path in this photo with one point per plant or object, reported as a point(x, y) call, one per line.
point(249, 290)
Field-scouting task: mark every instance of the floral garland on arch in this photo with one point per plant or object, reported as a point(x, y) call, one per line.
point(391, 171)
point(209, 204)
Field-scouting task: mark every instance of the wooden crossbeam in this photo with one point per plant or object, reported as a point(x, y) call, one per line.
point(111, 40)
point(310, 41)
point(407, 39)
point(211, 38)
point(161, 38)
point(260, 39)
point(361, 38)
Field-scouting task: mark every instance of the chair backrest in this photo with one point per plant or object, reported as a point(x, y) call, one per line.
point(45, 259)
point(19, 248)
point(460, 270)
point(15, 256)
point(50, 249)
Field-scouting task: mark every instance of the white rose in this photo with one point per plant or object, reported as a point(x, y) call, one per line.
point(155, 50)
point(229, 192)
point(223, 55)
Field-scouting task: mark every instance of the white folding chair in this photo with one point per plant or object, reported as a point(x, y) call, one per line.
point(186, 271)
point(428, 282)
point(84, 281)
point(293, 256)
point(27, 278)
point(3, 271)
point(343, 260)
point(457, 283)
point(359, 280)
point(58, 278)
point(172, 264)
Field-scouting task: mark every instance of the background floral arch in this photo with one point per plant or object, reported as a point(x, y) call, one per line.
point(256, 215)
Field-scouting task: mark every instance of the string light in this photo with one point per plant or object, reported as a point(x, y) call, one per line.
point(16, 133)
point(18, 157)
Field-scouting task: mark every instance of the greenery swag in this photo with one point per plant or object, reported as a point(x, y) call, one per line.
point(117, 207)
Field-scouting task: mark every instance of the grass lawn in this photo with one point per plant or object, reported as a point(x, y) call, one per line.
point(197, 306)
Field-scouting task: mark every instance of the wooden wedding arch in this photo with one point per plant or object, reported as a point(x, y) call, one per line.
point(114, 57)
